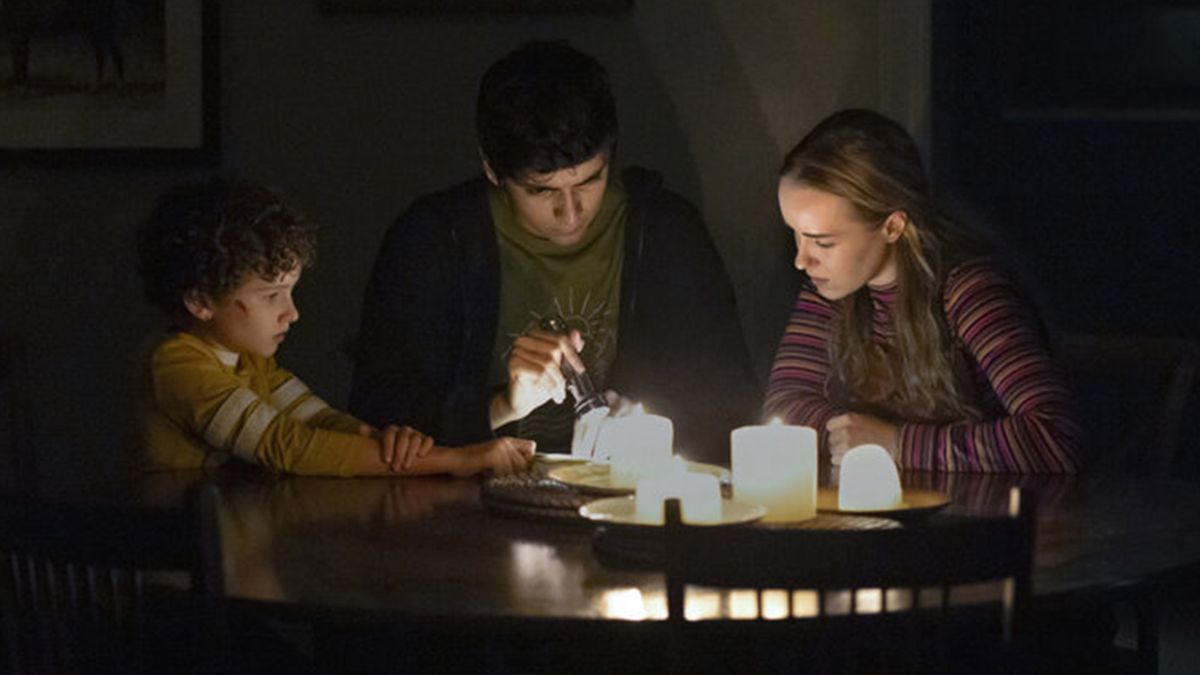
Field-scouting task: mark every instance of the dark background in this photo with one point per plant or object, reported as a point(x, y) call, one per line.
point(1063, 130)
point(1071, 131)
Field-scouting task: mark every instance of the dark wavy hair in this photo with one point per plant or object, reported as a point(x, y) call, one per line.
point(208, 237)
point(872, 162)
point(545, 106)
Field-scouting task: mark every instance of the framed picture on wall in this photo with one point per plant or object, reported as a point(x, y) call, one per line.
point(108, 78)
point(446, 6)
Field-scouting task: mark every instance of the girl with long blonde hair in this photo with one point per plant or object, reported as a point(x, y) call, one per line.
point(904, 334)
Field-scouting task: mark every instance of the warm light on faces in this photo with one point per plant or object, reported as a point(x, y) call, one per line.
point(840, 252)
point(253, 318)
point(560, 205)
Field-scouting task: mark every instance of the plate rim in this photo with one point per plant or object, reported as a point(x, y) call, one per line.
point(560, 458)
point(943, 502)
point(721, 473)
point(756, 513)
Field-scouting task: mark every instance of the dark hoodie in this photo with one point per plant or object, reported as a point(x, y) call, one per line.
point(430, 312)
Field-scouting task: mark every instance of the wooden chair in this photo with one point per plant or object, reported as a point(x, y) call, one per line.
point(879, 600)
point(16, 455)
point(78, 593)
point(1132, 391)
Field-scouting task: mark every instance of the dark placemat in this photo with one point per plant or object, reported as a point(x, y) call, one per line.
point(835, 521)
point(533, 495)
point(525, 512)
point(631, 546)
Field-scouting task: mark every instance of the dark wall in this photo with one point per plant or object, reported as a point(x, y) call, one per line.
point(1090, 175)
point(1070, 131)
point(355, 115)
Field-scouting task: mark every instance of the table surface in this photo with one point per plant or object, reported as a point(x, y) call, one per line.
point(428, 547)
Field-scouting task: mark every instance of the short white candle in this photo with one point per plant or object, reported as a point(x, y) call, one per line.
point(775, 465)
point(868, 480)
point(699, 495)
point(587, 432)
point(638, 446)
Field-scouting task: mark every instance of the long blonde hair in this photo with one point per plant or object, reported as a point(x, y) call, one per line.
point(873, 163)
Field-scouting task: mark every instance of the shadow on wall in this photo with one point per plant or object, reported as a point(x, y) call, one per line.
point(76, 300)
point(357, 115)
point(746, 85)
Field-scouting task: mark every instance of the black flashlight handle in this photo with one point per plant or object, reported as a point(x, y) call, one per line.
point(578, 384)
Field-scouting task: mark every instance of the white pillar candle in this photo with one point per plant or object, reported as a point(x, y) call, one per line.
point(699, 496)
point(638, 446)
point(775, 465)
point(868, 480)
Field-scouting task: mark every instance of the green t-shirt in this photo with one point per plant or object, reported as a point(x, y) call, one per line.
point(580, 282)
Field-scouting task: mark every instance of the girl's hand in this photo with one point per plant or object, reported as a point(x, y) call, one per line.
point(851, 430)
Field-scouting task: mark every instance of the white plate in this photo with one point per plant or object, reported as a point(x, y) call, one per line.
point(593, 477)
point(559, 458)
point(623, 511)
point(913, 503)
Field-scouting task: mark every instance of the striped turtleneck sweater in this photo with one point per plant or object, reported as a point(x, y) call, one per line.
point(1026, 421)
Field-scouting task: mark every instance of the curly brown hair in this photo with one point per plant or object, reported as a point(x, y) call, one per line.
point(208, 237)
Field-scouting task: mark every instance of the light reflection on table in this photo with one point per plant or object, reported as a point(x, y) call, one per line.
point(427, 548)
point(634, 604)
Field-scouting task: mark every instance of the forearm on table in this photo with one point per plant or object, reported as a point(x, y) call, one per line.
point(1037, 431)
point(798, 406)
point(367, 461)
point(441, 460)
point(1040, 442)
point(500, 411)
point(335, 420)
point(796, 387)
point(321, 452)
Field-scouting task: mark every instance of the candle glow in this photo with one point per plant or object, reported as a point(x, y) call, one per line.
point(638, 446)
point(868, 480)
point(775, 465)
point(699, 495)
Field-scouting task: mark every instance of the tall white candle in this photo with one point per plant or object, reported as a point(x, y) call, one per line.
point(776, 466)
point(699, 495)
point(868, 480)
point(638, 446)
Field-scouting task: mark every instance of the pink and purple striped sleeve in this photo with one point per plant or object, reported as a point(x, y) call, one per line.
point(796, 389)
point(1038, 432)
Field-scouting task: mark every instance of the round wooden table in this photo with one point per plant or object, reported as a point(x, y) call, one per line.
point(428, 548)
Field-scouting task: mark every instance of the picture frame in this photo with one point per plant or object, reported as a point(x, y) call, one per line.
point(451, 6)
point(86, 82)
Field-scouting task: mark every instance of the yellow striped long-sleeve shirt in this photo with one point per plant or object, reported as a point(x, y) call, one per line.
point(207, 405)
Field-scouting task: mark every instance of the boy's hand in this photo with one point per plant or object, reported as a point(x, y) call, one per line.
point(618, 405)
point(504, 455)
point(535, 369)
point(399, 447)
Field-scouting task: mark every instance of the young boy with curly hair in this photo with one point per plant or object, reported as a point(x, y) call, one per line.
point(222, 259)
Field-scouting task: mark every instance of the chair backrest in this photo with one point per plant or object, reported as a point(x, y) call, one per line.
point(1132, 391)
point(915, 577)
point(17, 462)
point(78, 586)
